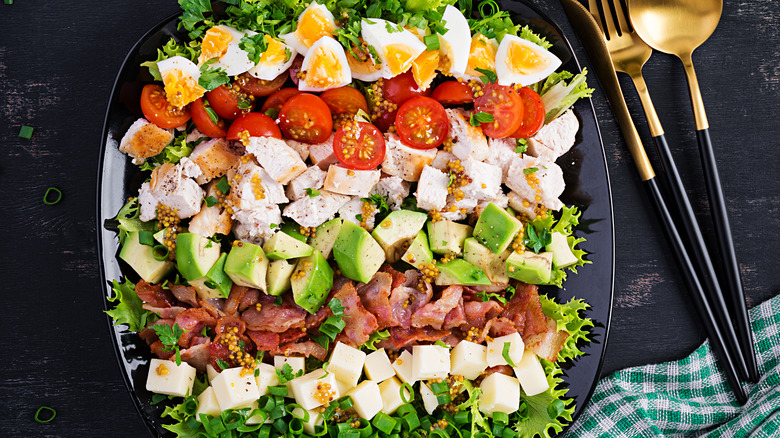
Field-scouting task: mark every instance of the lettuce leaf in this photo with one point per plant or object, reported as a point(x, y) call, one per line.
point(558, 96)
point(128, 220)
point(128, 308)
point(527, 34)
point(173, 153)
point(567, 317)
point(169, 50)
point(569, 218)
point(537, 421)
point(478, 422)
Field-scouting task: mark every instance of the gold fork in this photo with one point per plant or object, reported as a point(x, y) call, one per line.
point(629, 54)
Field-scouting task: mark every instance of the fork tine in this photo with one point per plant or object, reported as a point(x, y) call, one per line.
point(609, 23)
point(621, 16)
point(593, 7)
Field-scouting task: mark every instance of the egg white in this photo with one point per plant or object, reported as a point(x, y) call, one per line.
point(269, 71)
point(325, 46)
point(505, 70)
point(455, 43)
point(235, 60)
point(294, 40)
point(181, 63)
point(376, 34)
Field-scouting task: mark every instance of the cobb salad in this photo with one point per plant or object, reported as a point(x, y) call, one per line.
point(348, 211)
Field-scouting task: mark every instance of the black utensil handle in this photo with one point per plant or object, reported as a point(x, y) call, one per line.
point(741, 343)
point(698, 296)
point(733, 280)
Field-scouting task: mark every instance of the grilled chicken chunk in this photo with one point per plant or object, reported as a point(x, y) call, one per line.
point(144, 140)
point(353, 208)
point(403, 161)
point(555, 138)
point(170, 188)
point(211, 220)
point(322, 154)
point(280, 161)
point(312, 178)
point(256, 225)
point(502, 153)
point(350, 182)
point(467, 140)
point(394, 189)
point(485, 180)
point(537, 181)
point(314, 211)
point(214, 157)
point(252, 186)
point(432, 189)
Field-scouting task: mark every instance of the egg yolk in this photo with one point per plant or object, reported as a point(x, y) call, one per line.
point(482, 54)
point(324, 69)
point(313, 25)
point(524, 60)
point(215, 44)
point(398, 57)
point(181, 88)
point(424, 68)
point(366, 66)
point(275, 53)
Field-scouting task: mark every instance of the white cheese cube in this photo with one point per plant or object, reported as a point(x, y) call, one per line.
point(468, 359)
point(266, 376)
point(257, 418)
point(430, 362)
point(378, 367)
point(366, 399)
point(429, 399)
point(403, 367)
point(500, 393)
point(235, 388)
point(211, 372)
point(343, 387)
point(311, 390)
point(346, 363)
point(208, 404)
point(315, 419)
point(390, 390)
point(495, 349)
point(531, 374)
point(296, 363)
point(165, 377)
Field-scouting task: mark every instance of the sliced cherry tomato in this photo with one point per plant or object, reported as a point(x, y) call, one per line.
point(157, 110)
point(401, 88)
point(453, 93)
point(506, 107)
point(204, 122)
point(306, 118)
point(295, 67)
point(230, 102)
point(533, 113)
point(259, 87)
point(258, 125)
point(385, 120)
point(344, 100)
point(278, 98)
point(359, 146)
point(422, 123)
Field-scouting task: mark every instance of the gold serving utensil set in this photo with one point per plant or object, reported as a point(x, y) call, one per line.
point(620, 40)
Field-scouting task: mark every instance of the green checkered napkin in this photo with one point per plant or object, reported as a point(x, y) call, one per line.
point(690, 397)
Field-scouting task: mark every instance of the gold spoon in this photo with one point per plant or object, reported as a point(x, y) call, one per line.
point(678, 27)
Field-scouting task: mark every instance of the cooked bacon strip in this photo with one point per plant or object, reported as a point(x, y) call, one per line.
point(185, 294)
point(197, 356)
point(291, 335)
point(154, 294)
point(314, 320)
point(375, 296)
point(306, 349)
point(360, 323)
point(548, 343)
point(158, 349)
point(265, 341)
point(456, 317)
point(499, 327)
point(402, 337)
point(525, 311)
point(240, 298)
point(479, 312)
point(164, 312)
point(399, 278)
point(275, 318)
point(192, 322)
point(433, 313)
point(501, 369)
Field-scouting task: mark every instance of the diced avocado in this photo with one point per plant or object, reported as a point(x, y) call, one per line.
point(447, 237)
point(278, 277)
point(311, 281)
point(494, 265)
point(511, 211)
point(530, 267)
point(396, 230)
point(282, 246)
point(246, 265)
point(216, 283)
point(562, 254)
point(325, 236)
point(195, 255)
point(419, 252)
point(459, 271)
point(358, 255)
point(294, 230)
point(141, 259)
point(496, 229)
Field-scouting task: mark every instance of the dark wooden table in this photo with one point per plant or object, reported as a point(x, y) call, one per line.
point(58, 61)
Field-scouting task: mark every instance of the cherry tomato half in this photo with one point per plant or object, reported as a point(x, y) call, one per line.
point(259, 87)
point(533, 113)
point(359, 146)
point(506, 107)
point(230, 102)
point(401, 88)
point(258, 125)
point(422, 123)
point(204, 122)
point(344, 100)
point(278, 98)
point(453, 93)
point(306, 118)
point(157, 110)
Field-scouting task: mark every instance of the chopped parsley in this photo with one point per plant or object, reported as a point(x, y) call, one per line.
point(254, 46)
point(522, 146)
point(26, 132)
point(481, 117)
point(530, 170)
point(211, 201)
point(223, 185)
point(211, 78)
point(332, 326)
point(313, 193)
point(488, 76)
point(169, 336)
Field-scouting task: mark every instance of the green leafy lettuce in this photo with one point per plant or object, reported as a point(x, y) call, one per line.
point(569, 218)
point(169, 50)
point(536, 419)
point(173, 153)
point(567, 317)
point(128, 220)
point(558, 96)
point(128, 309)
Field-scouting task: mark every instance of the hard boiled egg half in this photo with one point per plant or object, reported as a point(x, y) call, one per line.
point(325, 66)
point(315, 22)
point(222, 42)
point(455, 43)
point(522, 62)
point(395, 46)
point(482, 55)
point(180, 79)
point(277, 58)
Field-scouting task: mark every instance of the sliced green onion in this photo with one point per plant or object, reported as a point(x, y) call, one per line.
point(443, 399)
point(412, 421)
point(431, 42)
point(555, 409)
point(57, 193)
point(498, 429)
point(223, 185)
point(51, 412)
point(500, 418)
point(522, 412)
point(265, 431)
point(280, 426)
point(349, 434)
point(365, 428)
point(509, 433)
point(278, 412)
point(343, 427)
point(160, 253)
point(146, 238)
point(26, 131)
point(291, 406)
point(191, 405)
point(346, 403)
point(295, 427)
point(438, 433)
point(462, 417)
point(426, 422)
point(279, 391)
point(405, 409)
point(440, 387)
point(384, 423)
point(406, 387)
point(320, 430)
point(505, 353)
point(211, 201)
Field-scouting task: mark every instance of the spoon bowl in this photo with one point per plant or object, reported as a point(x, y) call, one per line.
point(676, 27)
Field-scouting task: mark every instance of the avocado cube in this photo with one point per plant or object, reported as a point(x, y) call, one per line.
point(325, 236)
point(282, 246)
point(494, 265)
point(447, 237)
point(396, 230)
point(459, 271)
point(292, 229)
point(358, 255)
point(246, 265)
point(496, 229)
point(141, 259)
point(530, 267)
point(195, 255)
point(311, 281)
point(278, 276)
point(419, 253)
point(562, 253)
point(215, 284)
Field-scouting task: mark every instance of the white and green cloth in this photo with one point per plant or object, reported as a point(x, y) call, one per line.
point(690, 397)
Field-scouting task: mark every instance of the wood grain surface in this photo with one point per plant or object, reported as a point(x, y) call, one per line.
point(58, 61)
